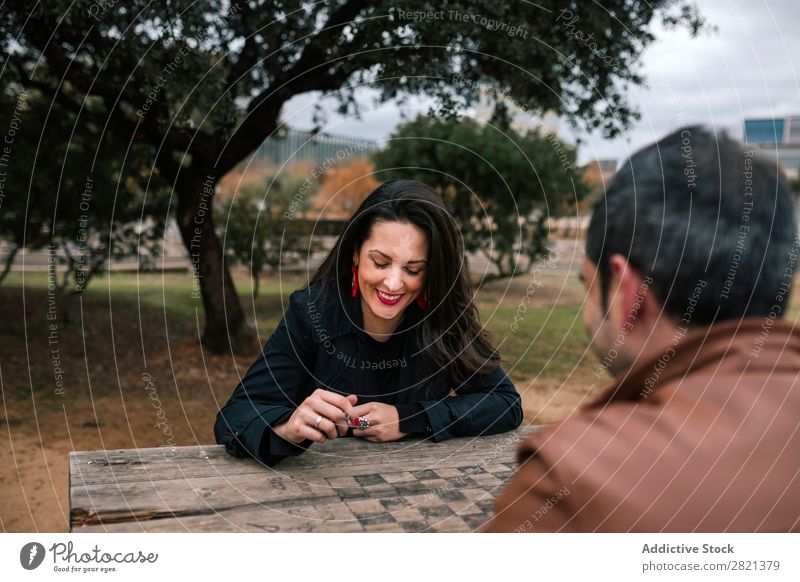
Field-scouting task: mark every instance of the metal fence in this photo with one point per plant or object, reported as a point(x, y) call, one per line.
point(294, 146)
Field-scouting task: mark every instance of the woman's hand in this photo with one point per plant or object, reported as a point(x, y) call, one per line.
point(331, 407)
point(384, 422)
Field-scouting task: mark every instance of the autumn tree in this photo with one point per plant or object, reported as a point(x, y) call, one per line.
point(259, 232)
point(344, 187)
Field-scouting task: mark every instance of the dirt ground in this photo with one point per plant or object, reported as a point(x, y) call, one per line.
point(131, 378)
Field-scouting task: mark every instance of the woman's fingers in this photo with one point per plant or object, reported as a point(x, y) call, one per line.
point(312, 434)
point(383, 420)
point(367, 432)
point(362, 410)
point(332, 417)
point(344, 404)
point(320, 422)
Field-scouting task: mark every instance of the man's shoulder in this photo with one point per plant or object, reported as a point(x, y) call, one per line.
point(613, 430)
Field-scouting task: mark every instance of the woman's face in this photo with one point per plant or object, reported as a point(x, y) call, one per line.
point(391, 267)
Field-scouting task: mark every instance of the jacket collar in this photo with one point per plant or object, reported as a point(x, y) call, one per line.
point(757, 340)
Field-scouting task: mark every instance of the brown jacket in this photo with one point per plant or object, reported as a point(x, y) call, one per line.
point(706, 440)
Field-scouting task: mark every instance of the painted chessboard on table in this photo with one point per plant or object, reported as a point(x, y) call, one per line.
point(347, 485)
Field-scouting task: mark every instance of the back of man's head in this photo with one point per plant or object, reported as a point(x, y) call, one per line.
point(698, 207)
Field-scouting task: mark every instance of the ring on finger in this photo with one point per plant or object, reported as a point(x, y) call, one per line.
point(363, 422)
point(316, 422)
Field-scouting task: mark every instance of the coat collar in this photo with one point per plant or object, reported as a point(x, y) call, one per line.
point(749, 340)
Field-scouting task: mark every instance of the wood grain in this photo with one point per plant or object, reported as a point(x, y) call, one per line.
point(342, 486)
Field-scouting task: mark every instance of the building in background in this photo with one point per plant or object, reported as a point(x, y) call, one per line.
point(778, 138)
point(293, 146)
point(522, 118)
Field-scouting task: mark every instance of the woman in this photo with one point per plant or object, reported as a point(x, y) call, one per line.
point(383, 343)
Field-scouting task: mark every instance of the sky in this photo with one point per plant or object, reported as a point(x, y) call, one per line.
point(747, 68)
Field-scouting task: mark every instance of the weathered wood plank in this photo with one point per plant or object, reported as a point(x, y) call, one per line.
point(353, 486)
point(344, 455)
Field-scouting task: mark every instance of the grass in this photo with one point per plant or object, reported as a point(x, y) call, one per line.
point(126, 321)
point(549, 344)
point(170, 294)
point(541, 338)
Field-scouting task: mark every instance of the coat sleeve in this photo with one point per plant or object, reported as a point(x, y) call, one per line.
point(270, 391)
point(486, 404)
point(535, 500)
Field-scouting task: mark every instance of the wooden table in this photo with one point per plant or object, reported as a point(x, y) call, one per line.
point(348, 485)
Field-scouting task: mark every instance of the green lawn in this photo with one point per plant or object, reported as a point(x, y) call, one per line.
point(170, 293)
point(548, 342)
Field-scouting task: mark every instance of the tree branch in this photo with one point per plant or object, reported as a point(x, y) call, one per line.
point(264, 110)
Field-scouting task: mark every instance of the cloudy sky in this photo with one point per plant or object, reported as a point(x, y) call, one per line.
point(749, 67)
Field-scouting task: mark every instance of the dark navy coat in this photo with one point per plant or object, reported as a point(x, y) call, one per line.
point(322, 345)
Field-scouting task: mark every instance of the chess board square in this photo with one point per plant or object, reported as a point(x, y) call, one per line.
point(448, 473)
point(394, 503)
point(413, 488)
point(452, 495)
point(371, 479)
point(384, 527)
point(379, 518)
point(504, 475)
point(399, 477)
point(414, 526)
point(342, 482)
point(474, 520)
point(346, 494)
point(370, 512)
point(434, 485)
point(486, 480)
point(462, 482)
point(425, 474)
point(436, 512)
point(408, 514)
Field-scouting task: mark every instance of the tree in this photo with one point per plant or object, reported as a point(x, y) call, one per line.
point(202, 83)
point(344, 187)
point(499, 186)
point(89, 199)
point(259, 232)
point(795, 186)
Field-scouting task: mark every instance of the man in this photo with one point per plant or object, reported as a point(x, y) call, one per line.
point(690, 261)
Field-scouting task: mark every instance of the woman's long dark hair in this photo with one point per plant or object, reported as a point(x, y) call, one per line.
point(450, 333)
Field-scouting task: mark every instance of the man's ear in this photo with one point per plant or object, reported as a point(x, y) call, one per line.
point(629, 287)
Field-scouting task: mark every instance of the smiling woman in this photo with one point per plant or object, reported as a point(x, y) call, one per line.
point(383, 343)
point(388, 276)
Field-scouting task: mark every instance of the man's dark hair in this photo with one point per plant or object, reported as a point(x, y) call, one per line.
point(710, 222)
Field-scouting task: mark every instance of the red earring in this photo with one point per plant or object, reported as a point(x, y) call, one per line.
point(421, 300)
point(355, 281)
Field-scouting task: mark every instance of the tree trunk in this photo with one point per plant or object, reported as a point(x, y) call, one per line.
point(226, 328)
point(9, 261)
point(256, 283)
